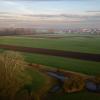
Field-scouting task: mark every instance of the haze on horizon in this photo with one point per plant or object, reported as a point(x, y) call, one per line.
point(50, 14)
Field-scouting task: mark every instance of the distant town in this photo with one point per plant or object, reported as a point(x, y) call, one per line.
point(32, 31)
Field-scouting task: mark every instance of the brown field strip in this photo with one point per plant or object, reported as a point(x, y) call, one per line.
point(51, 52)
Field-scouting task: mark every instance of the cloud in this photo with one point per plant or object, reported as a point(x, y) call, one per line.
point(48, 18)
point(25, 19)
point(94, 11)
point(54, 15)
point(43, 17)
point(12, 6)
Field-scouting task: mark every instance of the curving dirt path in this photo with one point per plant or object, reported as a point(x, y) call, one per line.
point(51, 52)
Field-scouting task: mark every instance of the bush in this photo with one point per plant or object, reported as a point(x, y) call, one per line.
point(74, 84)
point(12, 77)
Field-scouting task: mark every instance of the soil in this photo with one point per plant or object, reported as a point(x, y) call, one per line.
point(51, 52)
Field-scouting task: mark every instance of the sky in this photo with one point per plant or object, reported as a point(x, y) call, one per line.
point(50, 13)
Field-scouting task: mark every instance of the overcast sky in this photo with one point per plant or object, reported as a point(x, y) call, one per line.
point(53, 14)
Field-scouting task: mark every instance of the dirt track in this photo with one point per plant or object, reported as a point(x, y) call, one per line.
point(60, 53)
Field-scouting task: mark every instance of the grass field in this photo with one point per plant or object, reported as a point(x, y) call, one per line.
point(87, 67)
point(81, 44)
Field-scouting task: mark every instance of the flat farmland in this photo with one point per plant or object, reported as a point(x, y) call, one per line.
point(78, 44)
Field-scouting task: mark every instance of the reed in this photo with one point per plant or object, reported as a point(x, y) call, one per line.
point(12, 76)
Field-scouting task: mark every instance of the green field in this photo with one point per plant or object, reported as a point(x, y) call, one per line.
point(80, 44)
point(92, 68)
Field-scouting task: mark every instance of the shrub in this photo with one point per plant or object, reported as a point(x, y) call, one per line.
point(74, 84)
point(12, 76)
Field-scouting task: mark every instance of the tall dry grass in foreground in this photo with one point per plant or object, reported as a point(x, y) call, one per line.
point(12, 77)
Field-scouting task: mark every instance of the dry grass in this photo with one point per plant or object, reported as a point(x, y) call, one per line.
point(12, 77)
